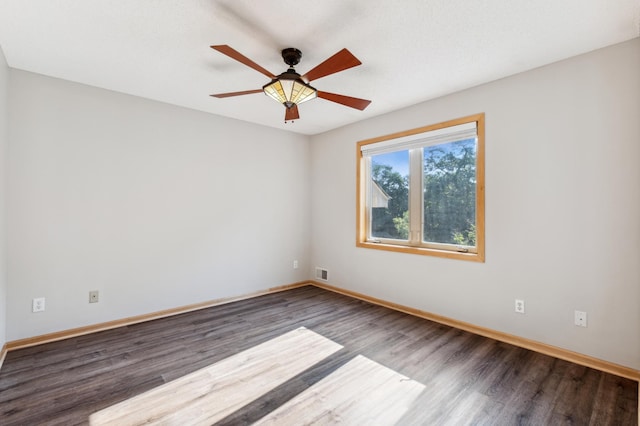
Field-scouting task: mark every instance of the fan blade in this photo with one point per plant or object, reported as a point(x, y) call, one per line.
point(291, 113)
point(228, 95)
point(339, 62)
point(234, 54)
point(356, 103)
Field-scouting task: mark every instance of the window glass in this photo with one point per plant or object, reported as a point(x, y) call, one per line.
point(390, 195)
point(449, 193)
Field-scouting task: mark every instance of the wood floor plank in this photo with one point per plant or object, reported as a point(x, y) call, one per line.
point(612, 403)
point(580, 384)
point(469, 379)
point(212, 393)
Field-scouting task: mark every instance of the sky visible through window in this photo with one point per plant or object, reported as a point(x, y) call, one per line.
point(398, 160)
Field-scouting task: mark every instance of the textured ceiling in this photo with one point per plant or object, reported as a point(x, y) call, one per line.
point(412, 51)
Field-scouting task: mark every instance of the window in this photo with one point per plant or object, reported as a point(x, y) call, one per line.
point(422, 191)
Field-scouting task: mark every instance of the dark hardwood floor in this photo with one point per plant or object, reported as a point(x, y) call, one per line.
point(469, 379)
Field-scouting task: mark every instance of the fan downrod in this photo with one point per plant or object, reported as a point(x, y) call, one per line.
point(291, 56)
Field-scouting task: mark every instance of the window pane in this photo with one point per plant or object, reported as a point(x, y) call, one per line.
point(390, 195)
point(450, 193)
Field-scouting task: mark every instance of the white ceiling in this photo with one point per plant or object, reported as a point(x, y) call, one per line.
point(411, 50)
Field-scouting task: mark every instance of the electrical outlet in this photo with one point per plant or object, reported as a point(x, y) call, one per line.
point(520, 306)
point(94, 296)
point(580, 318)
point(38, 305)
point(295, 264)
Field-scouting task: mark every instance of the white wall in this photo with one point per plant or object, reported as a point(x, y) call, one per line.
point(153, 205)
point(562, 208)
point(4, 76)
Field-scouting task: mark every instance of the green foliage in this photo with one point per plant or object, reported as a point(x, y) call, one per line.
point(397, 188)
point(402, 225)
point(450, 193)
point(467, 239)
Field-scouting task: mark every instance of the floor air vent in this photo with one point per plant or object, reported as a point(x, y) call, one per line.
point(322, 274)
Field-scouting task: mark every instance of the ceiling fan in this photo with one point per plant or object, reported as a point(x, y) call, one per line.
point(292, 89)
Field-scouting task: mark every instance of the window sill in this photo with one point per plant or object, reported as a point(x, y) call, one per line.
point(472, 257)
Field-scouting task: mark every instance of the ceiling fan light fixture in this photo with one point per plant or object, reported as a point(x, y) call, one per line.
point(289, 89)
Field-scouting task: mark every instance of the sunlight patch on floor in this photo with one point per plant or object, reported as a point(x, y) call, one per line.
point(360, 392)
point(212, 393)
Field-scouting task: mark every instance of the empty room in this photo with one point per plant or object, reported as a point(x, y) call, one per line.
point(339, 212)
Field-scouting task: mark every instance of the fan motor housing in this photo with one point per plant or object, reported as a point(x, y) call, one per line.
point(291, 56)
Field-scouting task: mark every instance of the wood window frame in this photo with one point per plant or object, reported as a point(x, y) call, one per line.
point(362, 225)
